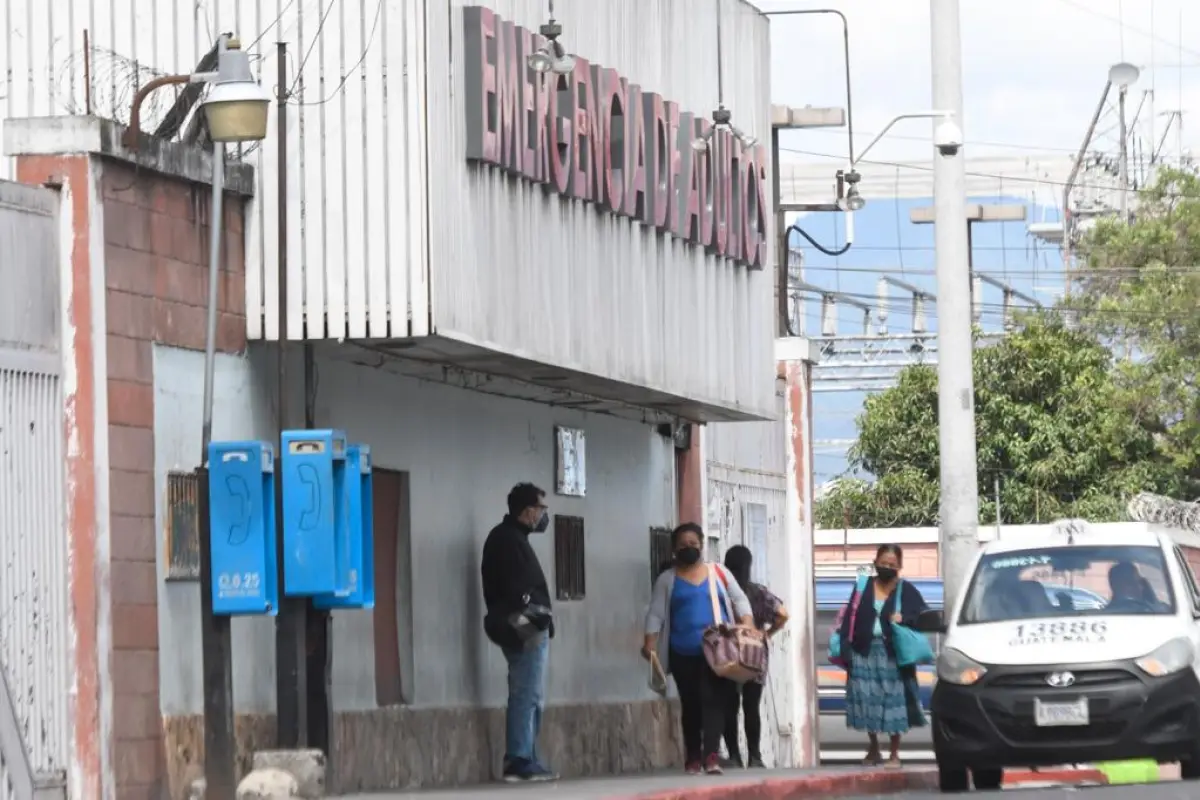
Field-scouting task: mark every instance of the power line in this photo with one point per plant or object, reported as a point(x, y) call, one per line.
point(1131, 28)
point(970, 142)
point(274, 22)
point(992, 175)
point(349, 72)
point(311, 45)
point(1084, 274)
point(993, 308)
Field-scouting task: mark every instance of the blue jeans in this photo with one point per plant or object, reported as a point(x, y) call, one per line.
point(526, 698)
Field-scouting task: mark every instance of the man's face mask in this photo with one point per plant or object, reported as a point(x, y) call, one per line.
point(543, 522)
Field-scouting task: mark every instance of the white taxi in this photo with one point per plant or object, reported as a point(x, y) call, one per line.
point(1030, 678)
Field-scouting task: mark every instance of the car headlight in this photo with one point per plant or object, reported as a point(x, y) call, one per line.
point(1174, 656)
point(956, 668)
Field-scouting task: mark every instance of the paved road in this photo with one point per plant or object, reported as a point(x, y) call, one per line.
point(1160, 791)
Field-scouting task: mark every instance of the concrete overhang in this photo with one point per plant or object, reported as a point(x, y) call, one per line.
point(976, 212)
point(452, 361)
point(792, 118)
point(1050, 232)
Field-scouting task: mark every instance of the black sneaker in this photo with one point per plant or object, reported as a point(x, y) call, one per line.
point(523, 771)
point(756, 763)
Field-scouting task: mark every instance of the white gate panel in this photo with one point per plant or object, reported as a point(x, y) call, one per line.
point(34, 648)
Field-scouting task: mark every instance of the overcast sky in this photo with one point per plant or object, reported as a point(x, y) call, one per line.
point(1033, 69)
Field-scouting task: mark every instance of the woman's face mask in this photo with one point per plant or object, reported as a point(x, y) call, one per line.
point(687, 555)
point(886, 573)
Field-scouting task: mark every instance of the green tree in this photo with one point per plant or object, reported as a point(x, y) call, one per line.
point(1050, 425)
point(1138, 290)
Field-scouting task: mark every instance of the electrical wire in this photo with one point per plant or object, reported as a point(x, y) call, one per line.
point(311, 45)
point(1131, 28)
point(1033, 148)
point(817, 244)
point(274, 22)
point(349, 72)
point(993, 175)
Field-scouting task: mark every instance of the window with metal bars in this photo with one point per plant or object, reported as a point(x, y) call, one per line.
point(570, 574)
point(183, 526)
point(660, 551)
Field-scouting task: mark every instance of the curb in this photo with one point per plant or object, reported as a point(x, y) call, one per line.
point(840, 785)
point(1062, 777)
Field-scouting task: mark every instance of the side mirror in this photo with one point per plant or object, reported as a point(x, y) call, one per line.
point(931, 622)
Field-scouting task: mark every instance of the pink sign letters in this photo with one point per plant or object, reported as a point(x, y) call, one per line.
point(594, 136)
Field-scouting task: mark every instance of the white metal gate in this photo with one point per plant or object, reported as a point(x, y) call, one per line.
point(35, 657)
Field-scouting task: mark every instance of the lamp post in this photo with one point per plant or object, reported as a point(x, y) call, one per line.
point(1123, 75)
point(236, 110)
point(947, 138)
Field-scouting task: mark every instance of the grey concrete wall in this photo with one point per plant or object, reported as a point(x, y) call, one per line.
point(464, 450)
point(243, 412)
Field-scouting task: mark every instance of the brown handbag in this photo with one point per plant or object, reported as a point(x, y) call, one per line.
point(734, 652)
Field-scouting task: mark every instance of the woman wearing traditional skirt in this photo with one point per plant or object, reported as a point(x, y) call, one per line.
point(882, 699)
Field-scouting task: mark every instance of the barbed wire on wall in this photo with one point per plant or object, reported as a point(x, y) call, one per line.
point(103, 82)
point(1159, 510)
point(114, 80)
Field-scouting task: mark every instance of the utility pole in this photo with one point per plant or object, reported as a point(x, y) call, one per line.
point(291, 647)
point(959, 505)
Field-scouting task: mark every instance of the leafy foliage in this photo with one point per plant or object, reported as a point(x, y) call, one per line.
point(1050, 425)
point(1140, 293)
point(1071, 420)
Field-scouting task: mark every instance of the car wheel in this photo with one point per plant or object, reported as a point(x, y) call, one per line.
point(988, 780)
point(953, 780)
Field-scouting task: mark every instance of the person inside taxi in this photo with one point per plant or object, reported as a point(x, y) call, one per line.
point(1131, 592)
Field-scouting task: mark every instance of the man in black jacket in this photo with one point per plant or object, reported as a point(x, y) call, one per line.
point(520, 622)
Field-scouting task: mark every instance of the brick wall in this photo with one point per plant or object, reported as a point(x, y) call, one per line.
point(156, 244)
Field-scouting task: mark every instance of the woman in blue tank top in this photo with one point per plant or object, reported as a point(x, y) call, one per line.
point(681, 610)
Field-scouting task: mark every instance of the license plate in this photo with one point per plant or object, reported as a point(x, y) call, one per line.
point(1061, 715)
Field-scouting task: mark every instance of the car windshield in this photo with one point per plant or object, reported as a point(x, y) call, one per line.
point(1076, 581)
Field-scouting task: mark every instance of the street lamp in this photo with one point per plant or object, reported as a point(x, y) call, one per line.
point(236, 110)
point(947, 138)
point(551, 56)
point(722, 117)
point(236, 106)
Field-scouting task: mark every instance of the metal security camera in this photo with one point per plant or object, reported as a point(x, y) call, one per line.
point(948, 138)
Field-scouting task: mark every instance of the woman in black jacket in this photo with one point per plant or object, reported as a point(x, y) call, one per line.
point(881, 697)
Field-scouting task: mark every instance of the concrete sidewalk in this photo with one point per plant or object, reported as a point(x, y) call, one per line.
point(734, 785)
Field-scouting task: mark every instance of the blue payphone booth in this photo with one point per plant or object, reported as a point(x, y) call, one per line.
point(313, 467)
point(241, 499)
point(355, 533)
